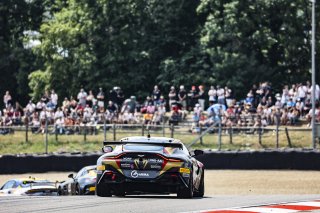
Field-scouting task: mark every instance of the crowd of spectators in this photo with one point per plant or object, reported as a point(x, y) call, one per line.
point(261, 107)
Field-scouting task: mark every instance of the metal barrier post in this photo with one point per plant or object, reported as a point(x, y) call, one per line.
point(56, 132)
point(259, 130)
point(104, 129)
point(201, 139)
point(114, 132)
point(163, 128)
point(172, 130)
point(85, 132)
point(142, 129)
point(277, 130)
point(230, 134)
point(219, 134)
point(27, 127)
point(46, 137)
point(288, 137)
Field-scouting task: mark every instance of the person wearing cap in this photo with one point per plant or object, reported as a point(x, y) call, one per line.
point(193, 97)
point(221, 95)
point(172, 96)
point(100, 98)
point(155, 95)
point(212, 94)
point(201, 97)
point(182, 97)
point(82, 97)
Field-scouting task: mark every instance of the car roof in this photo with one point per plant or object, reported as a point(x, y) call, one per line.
point(90, 167)
point(150, 139)
point(28, 179)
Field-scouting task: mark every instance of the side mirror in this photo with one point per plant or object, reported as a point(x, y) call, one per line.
point(198, 152)
point(70, 176)
point(107, 149)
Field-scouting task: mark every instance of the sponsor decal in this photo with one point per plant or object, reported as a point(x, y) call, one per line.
point(185, 170)
point(92, 189)
point(155, 160)
point(101, 167)
point(155, 166)
point(126, 165)
point(185, 175)
point(136, 174)
point(127, 159)
point(141, 164)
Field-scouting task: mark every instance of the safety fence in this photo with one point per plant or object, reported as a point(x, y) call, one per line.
point(214, 137)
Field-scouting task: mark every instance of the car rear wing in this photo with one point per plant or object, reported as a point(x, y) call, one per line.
point(164, 144)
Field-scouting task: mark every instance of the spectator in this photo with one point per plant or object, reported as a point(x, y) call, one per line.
point(212, 94)
point(113, 96)
point(7, 99)
point(120, 97)
point(229, 96)
point(172, 97)
point(90, 98)
point(82, 97)
point(156, 93)
point(132, 104)
point(100, 98)
point(162, 101)
point(201, 96)
point(54, 98)
point(45, 98)
point(65, 104)
point(221, 95)
point(193, 97)
point(59, 125)
point(31, 106)
point(182, 97)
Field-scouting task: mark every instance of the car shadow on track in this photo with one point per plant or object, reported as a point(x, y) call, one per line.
point(162, 197)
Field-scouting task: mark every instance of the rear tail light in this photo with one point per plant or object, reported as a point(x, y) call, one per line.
point(110, 175)
point(170, 159)
point(113, 157)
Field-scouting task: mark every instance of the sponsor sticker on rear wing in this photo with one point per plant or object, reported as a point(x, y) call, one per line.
point(164, 144)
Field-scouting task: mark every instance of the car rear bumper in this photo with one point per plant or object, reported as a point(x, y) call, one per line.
point(169, 182)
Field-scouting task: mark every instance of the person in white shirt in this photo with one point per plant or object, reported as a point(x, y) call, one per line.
point(54, 98)
point(82, 97)
point(59, 124)
point(30, 107)
point(212, 94)
point(221, 95)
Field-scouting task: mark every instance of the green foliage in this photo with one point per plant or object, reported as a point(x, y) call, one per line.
point(136, 44)
point(38, 82)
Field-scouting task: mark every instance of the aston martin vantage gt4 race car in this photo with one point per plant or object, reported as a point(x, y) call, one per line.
point(29, 186)
point(155, 165)
point(83, 183)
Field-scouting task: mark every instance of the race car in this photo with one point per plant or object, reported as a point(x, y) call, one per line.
point(28, 186)
point(149, 165)
point(83, 183)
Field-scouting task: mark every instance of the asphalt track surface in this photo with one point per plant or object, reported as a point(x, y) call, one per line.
point(140, 203)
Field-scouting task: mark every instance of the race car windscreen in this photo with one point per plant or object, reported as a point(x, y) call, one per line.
point(27, 184)
point(142, 148)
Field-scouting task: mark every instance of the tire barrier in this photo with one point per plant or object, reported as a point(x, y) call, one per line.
point(267, 160)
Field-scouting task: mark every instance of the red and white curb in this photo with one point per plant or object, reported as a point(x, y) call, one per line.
point(277, 208)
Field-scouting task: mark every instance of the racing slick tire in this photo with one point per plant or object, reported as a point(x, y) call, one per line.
point(200, 191)
point(102, 190)
point(78, 190)
point(186, 192)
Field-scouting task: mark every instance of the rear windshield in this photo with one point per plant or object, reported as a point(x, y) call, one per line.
point(132, 147)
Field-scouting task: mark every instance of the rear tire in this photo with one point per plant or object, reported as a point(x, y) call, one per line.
point(78, 190)
point(200, 191)
point(186, 192)
point(102, 190)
